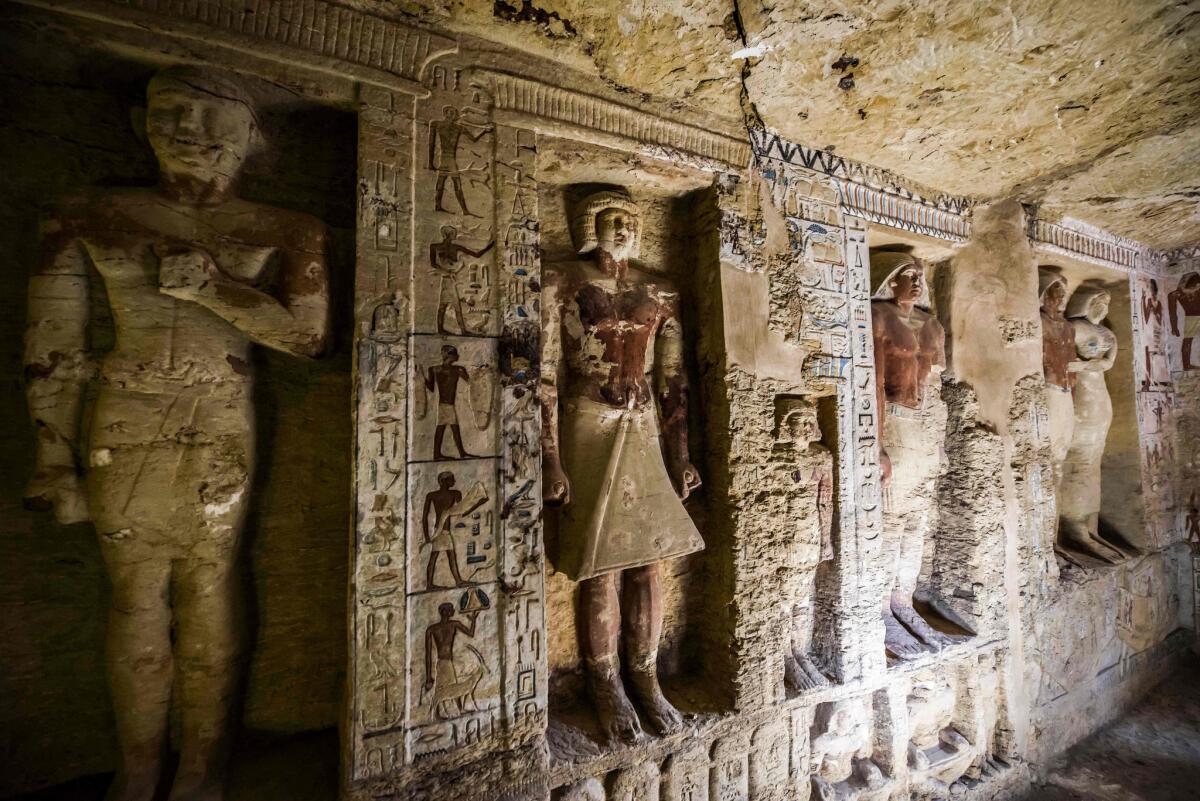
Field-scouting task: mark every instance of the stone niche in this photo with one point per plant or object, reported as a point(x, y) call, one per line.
point(1122, 512)
point(81, 124)
point(667, 195)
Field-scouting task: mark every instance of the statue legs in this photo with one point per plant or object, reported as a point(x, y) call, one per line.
point(141, 665)
point(799, 671)
point(140, 669)
point(209, 671)
point(169, 518)
point(638, 616)
point(913, 443)
point(642, 601)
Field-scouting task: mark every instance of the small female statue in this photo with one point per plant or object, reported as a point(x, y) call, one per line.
point(1079, 493)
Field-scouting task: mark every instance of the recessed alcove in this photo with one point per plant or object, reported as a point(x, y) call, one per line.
point(667, 195)
point(79, 109)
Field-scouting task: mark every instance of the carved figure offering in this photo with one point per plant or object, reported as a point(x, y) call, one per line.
point(614, 398)
point(909, 358)
point(938, 753)
point(444, 136)
point(1079, 489)
point(842, 755)
point(807, 468)
point(445, 259)
point(449, 694)
point(449, 507)
point(1185, 298)
point(444, 380)
point(194, 275)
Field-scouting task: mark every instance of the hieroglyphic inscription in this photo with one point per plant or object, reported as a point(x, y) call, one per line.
point(378, 687)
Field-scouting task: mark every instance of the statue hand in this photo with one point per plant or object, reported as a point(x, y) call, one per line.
point(556, 487)
point(60, 488)
point(686, 479)
point(183, 271)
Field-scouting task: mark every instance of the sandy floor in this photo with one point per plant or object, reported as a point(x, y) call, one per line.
point(1152, 754)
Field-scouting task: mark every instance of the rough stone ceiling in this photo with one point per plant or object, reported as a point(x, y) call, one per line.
point(1086, 106)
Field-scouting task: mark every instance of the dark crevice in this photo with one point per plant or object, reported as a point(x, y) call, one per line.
point(750, 114)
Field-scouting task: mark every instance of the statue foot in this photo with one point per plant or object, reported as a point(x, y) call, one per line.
point(822, 790)
point(1120, 555)
point(900, 643)
point(618, 719)
point(870, 774)
point(801, 674)
point(664, 717)
point(916, 758)
point(920, 628)
point(1083, 543)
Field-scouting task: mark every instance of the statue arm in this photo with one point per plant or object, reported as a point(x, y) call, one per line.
point(670, 384)
point(1172, 302)
point(1105, 362)
point(294, 319)
point(556, 486)
point(56, 371)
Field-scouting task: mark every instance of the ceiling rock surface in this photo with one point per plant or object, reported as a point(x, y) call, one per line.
point(1085, 106)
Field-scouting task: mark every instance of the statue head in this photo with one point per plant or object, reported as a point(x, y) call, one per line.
point(445, 479)
point(449, 354)
point(1190, 282)
point(1090, 302)
point(201, 124)
point(446, 611)
point(1052, 290)
point(608, 221)
point(899, 277)
point(449, 233)
point(798, 422)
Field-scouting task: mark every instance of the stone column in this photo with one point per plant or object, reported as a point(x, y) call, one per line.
point(448, 663)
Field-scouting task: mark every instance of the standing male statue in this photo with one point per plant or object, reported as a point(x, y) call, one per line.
point(805, 469)
point(194, 275)
point(1058, 356)
point(909, 358)
point(614, 398)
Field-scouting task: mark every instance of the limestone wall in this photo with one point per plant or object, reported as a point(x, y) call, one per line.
point(455, 660)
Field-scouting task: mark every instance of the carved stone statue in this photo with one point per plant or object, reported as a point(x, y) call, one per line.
point(1058, 356)
point(909, 358)
point(1058, 351)
point(194, 276)
point(1079, 489)
point(614, 398)
point(842, 755)
point(938, 753)
point(804, 461)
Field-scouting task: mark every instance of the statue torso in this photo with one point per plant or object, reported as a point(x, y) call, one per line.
point(160, 340)
point(912, 346)
point(1058, 350)
point(609, 328)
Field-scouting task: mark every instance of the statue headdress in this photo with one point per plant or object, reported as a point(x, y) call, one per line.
point(886, 266)
point(1048, 278)
point(583, 223)
point(207, 80)
point(1080, 304)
